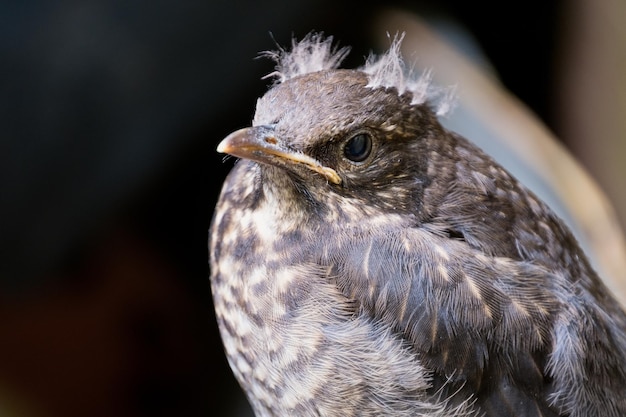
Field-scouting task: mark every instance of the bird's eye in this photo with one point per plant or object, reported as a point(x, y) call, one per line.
point(358, 148)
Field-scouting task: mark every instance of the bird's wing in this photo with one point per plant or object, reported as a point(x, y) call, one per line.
point(480, 323)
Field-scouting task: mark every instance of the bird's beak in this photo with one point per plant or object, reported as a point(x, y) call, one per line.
point(260, 144)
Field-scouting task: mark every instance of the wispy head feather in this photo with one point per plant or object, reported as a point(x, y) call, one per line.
point(389, 71)
point(313, 53)
point(317, 53)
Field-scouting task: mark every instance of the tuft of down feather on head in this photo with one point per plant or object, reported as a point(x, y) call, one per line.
point(389, 71)
point(312, 54)
point(316, 53)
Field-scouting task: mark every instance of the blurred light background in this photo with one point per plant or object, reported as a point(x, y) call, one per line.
point(111, 112)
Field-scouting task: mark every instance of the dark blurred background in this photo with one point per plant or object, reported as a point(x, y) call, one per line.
point(110, 115)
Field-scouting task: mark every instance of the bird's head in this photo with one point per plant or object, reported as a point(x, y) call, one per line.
point(368, 135)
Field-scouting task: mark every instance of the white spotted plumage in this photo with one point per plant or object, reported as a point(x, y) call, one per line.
point(427, 282)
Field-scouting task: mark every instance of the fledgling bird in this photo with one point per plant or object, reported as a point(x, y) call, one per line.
point(367, 262)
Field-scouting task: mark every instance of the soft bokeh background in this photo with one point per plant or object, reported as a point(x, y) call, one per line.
point(111, 112)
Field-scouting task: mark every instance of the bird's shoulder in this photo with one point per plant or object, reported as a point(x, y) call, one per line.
point(446, 297)
point(486, 326)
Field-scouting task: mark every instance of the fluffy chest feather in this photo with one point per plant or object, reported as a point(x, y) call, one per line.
point(296, 343)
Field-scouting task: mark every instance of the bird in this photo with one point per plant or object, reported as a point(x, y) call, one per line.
point(366, 261)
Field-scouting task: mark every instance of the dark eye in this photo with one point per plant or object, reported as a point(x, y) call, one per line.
point(358, 148)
